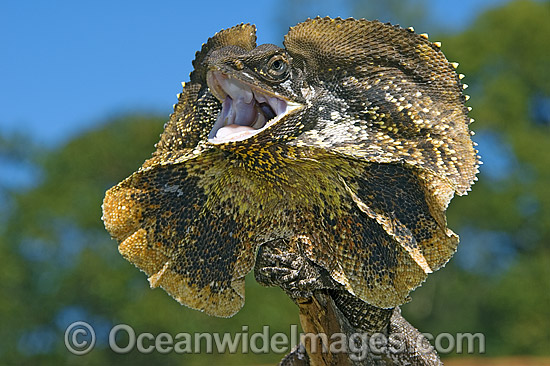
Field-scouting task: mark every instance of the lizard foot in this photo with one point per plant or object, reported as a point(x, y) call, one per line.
point(278, 265)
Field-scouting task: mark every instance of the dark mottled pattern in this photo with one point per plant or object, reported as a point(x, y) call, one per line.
point(361, 315)
point(402, 99)
point(186, 247)
point(416, 223)
point(358, 177)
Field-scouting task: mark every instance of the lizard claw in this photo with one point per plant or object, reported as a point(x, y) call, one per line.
point(294, 273)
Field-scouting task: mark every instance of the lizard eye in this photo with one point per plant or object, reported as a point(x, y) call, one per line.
point(277, 67)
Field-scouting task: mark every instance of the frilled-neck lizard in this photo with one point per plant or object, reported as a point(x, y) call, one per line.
point(333, 159)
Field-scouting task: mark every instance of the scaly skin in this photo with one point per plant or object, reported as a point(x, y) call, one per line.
point(364, 142)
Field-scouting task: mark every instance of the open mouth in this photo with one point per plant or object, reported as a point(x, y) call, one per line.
point(246, 110)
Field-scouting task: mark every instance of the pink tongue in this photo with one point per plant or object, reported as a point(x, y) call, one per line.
point(232, 129)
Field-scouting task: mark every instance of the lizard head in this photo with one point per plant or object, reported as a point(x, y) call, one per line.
point(256, 90)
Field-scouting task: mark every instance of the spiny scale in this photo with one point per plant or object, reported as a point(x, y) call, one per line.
point(361, 173)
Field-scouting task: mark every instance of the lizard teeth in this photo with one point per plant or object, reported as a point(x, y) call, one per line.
point(245, 111)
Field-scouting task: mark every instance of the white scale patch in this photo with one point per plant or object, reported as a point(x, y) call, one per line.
point(173, 189)
point(307, 93)
point(288, 86)
point(335, 116)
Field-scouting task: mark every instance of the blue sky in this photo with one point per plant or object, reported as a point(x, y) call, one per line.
point(66, 66)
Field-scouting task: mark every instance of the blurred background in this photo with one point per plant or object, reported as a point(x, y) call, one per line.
point(85, 88)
